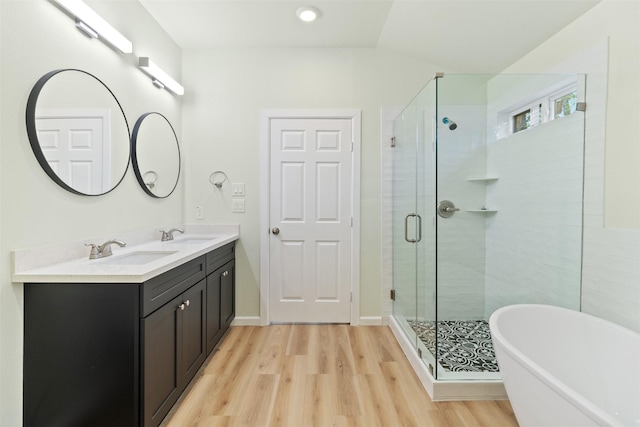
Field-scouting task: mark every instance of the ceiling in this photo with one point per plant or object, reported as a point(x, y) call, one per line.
point(471, 36)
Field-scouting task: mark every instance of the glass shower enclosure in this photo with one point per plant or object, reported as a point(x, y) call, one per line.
point(487, 210)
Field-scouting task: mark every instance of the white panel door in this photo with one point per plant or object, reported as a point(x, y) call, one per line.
point(310, 218)
point(76, 149)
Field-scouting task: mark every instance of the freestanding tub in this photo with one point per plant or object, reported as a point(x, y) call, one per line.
point(565, 368)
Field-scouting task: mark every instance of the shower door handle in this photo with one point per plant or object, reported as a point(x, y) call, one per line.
point(406, 228)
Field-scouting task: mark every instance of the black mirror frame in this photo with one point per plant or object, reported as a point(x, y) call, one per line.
point(33, 134)
point(134, 155)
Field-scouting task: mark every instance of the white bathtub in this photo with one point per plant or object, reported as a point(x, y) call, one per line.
point(565, 368)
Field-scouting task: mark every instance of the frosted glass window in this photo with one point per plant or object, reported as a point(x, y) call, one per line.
point(565, 105)
point(528, 118)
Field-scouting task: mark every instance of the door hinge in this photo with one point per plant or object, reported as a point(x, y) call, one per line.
point(392, 294)
point(352, 146)
point(351, 222)
point(393, 141)
point(351, 296)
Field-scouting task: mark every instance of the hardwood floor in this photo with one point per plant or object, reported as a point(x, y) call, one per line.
point(319, 375)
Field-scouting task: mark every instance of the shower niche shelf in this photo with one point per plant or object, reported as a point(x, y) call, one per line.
point(486, 179)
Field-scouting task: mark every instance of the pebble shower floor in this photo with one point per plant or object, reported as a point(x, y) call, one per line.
point(463, 345)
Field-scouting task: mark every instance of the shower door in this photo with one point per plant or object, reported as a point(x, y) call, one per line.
point(404, 204)
point(414, 223)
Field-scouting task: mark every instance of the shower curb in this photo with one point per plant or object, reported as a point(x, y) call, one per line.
point(450, 390)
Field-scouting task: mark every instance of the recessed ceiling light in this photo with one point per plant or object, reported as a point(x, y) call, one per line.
point(308, 13)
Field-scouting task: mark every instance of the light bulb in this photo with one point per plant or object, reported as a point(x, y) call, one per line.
point(307, 13)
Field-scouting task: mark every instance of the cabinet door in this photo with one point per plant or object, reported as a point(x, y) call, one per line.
point(162, 378)
point(193, 330)
point(214, 327)
point(80, 354)
point(220, 303)
point(227, 295)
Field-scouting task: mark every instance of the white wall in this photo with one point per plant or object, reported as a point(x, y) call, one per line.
point(36, 37)
point(605, 44)
point(221, 131)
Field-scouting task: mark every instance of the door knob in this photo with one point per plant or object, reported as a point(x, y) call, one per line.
point(275, 230)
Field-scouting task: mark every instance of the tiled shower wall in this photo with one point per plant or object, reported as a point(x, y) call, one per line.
point(461, 238)
point(534, 240)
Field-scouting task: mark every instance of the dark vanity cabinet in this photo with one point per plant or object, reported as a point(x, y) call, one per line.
point(121, 354)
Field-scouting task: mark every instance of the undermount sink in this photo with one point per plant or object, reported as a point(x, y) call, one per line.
point(192, 240)
point(137, 258)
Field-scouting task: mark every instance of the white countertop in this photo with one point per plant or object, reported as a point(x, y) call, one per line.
point(117, 268)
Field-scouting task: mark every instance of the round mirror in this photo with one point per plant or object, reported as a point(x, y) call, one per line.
point(155, 155)
point(78, 132)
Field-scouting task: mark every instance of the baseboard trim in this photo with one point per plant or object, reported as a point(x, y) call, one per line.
point(246, 321)
point(370, 320)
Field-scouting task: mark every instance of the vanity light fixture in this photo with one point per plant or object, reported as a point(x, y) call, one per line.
point(308, 13)
point(160, 78)
point(93, 25)
point(87, 30)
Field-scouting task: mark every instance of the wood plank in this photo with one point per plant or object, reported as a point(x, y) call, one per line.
point(257, 401)
point(320, 401)
point(322, 358)
point(299, 340)
point(288, 408)
point(405, 397)
point(272, 352)
point(375, 402)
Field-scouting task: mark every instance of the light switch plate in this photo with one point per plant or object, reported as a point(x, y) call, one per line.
point(199, 212)
point(238, 189)
point(237, 205)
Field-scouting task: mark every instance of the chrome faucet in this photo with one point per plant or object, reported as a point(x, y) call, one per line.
point(104, 250)
point(168, 235)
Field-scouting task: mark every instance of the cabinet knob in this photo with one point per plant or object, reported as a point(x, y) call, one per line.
point(181, 306)
point(187, 303)
point(226, 273)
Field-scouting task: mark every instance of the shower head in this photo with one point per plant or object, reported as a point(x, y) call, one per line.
point(451, 123)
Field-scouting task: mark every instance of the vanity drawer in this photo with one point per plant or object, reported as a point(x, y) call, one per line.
point(220, 256)
point(162, 289)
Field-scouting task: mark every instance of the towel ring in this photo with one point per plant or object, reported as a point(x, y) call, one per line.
point(151, 180)
point(214, 178)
